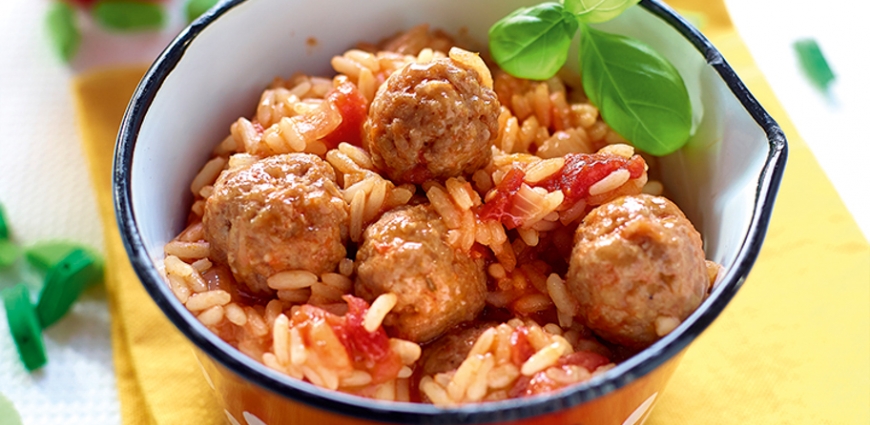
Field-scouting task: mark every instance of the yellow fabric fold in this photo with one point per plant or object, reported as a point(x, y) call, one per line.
point(792, 347)
point(159, 380)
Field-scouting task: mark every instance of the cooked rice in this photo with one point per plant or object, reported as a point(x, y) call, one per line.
point(179, 288)
point(235, 314)
point(202, 265)
point(291, 279)
point(208, 174)
point(357, 378)
point(653, 187)
point(345, 267)
point(472, 61)
point(295, 296)
point(193, 233)
point(611, 182)
point(665, 324)
point(544, 358)
point(176, 267)
point(378, 310)
point(543, 169)
point(408, 351)
point(489, 367)
point(281, 339)
point(357, 155)
point(211, 316)
point(207, 299)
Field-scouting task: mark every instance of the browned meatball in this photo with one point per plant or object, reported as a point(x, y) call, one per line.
point(432, 120)
point(284, 212)
point(450, 350)
point(406, 252)
point(637, 269)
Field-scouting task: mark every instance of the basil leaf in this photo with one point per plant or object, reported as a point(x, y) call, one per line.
point(638, 92)
point(593, 11)
point(532, 42)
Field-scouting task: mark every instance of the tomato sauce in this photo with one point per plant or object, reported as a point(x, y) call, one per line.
point(581, 171)
point(368, 350)
point(354, 110)
point(499, 206)
point(521, 348)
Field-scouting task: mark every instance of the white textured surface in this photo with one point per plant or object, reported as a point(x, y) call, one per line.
point(46, 191)
point(47, 194)
point(833, 125)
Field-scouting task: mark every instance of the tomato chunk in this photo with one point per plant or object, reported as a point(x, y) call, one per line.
point(498, 207)
point(521, 348)
point(363, 350)
point(581, 171)
point(541, 383)
point(585, 359)
point(354, 110)
point(368, 350)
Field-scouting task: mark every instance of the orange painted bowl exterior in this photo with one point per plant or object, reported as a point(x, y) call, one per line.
point(248, 403)
point(725, 179)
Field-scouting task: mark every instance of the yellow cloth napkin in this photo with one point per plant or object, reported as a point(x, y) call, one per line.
point(159, 380)
point(793, 347)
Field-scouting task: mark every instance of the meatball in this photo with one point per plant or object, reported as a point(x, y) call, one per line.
point(284, 212)
point(432, 120)
point(637, 269)
point(450, 350)
point(406, 252)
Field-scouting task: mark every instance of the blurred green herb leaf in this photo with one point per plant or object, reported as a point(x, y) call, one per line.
point(8, 413)
point(129, 15)
point(813, 63)
point(62, 30)
point(195, 8)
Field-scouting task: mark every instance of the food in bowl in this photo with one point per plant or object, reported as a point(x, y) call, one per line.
point(424, 227)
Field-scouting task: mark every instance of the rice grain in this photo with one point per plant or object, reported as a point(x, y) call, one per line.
point(211, 316)
point(281, 339)
point(378, 310)
point(611, 182)
point(291, 279)
point(542, 359)
point(208, 299)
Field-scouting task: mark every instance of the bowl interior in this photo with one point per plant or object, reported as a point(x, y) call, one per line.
point(225, 68)
point(222, 71)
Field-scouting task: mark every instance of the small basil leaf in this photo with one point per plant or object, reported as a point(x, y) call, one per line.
point(593, 11)
point(532, 42)
point(638, 92)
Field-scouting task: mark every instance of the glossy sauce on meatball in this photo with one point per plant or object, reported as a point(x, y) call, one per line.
point(432, 120)
point(406, 252)
point(284, 212)
point(637, 269)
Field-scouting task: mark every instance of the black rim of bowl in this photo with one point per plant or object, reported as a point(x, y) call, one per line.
point(339, 403)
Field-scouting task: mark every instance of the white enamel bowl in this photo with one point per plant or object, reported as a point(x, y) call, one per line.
point(725, 180)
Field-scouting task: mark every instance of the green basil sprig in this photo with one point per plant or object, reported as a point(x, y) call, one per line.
point(637, 91)
point(532, 42)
